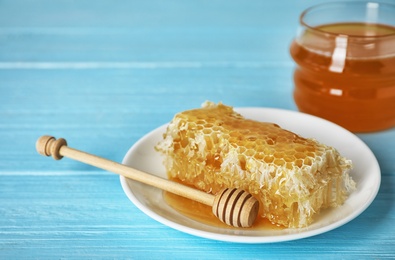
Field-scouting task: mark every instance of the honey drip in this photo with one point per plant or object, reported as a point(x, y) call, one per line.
point(203, 213)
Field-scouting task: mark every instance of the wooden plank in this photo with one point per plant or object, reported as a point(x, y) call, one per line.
point(88, 215)
point(103, 74)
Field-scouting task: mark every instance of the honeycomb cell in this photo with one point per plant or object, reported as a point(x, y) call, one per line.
point(250, 145)
point(270, 141)
point(249, 152)
point(259, 156)
point(307, 161)
point(279, 155)
point(268, 159)
point(279, 162)
point(290, 152)
point(207, 131)
point(288, 158)
point(242, 149)
point(259, 147)
point(300, 155)
point(299, 163)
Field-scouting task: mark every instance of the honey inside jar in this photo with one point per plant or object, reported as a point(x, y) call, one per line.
point(346, 71)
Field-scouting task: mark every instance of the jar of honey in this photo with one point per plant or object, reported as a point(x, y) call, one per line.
point(345, 56)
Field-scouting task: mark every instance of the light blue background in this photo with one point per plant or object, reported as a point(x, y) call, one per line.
point(102, 74)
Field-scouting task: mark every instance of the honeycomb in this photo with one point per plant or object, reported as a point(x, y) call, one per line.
point(293, 178)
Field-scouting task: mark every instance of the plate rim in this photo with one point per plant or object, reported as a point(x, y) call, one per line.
point(254, 239)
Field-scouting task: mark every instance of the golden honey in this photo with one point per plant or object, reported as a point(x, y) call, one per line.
point(203, 213)
point(346, 67)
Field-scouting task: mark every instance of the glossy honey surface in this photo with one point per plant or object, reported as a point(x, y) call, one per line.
point(352, 85)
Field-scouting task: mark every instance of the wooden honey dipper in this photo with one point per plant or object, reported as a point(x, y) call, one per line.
point(232, 206)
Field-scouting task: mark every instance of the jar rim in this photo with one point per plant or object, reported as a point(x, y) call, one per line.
point(333, 4)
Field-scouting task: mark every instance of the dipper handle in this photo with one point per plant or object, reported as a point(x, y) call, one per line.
point(234, 207)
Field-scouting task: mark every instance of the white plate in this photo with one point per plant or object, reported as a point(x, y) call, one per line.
point(366, 173)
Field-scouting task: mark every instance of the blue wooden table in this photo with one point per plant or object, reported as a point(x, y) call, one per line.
point(102, 74)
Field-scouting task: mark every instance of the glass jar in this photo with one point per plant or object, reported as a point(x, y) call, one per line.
point(345, 56)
